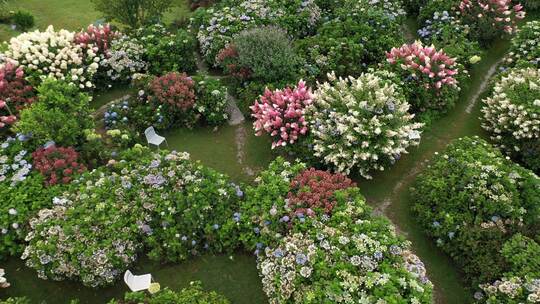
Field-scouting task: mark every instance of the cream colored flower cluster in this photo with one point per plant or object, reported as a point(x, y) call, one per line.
point(514, 109)
point(361, 123)
point(54, 54)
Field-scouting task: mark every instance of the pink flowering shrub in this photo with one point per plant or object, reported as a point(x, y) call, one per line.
point(429, 75)
point(491, 18)
point(15, 93)
point(100, 36)
point(313, 190)
point(280, 113)
point(57, 164)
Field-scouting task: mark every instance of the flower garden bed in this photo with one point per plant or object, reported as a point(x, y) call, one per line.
point(99, 201)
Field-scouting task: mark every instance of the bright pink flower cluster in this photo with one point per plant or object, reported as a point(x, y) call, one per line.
point(175, 89)
point(281, 114)
point(100, 36)
point(57, 164)
point(313, 190)
point(502, 13)
point(15, 93)
point(436, 67)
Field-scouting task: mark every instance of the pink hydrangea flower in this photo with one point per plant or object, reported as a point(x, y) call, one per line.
point(503, 13)
point(434, 64)
point(281, 114)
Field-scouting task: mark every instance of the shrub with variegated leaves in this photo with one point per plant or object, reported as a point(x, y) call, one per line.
point(512, 115)
point(361, 124)
point(280, 113)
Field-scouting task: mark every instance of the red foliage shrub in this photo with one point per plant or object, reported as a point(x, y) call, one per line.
point(174, 89)
point(314, 189)
point(100, 36)
point(15, 93)
point(227, 58)
point(57, 164)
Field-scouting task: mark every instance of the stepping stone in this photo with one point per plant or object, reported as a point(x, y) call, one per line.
point(235, 115)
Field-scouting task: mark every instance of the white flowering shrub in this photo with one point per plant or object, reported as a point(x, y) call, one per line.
point(125, 58)
point(360, 123)
point(512, 115)
point(54, 54)
point(525, 46)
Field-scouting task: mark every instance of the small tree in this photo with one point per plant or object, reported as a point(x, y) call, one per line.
point(133, 13)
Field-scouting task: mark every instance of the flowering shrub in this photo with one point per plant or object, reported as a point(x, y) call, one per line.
point(176, 93)
point(492, 18)
point(525, 48)
point(57, 164)
point(431, 74)
point(21, 202)
point(194, 294)
point(512, 290)
point(300, 256)
point(100, 36)
point(512, 115)
point(356, 38)
point(394, 9)
point(125, 58)
point(217, 26)
point(15, 93)
point(165, 203)
point(447, 32)
point(314, 190)
point(61, 115)
point(14, 161)
point(167, 52)
point(174, 89)
point(360, 123)
point(211, 101)
point(472, 200)
point(53, 54)
point(3, 281)
point(281, 114)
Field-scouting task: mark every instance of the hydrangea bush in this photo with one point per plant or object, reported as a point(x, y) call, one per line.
point(429, 75)
point(472, 200)
point(165, 51)
point(446, 31)
point(14, 160)
point(512, 115)
point(492, 18)
point(100, 36)
point(54, 54)
point(125, 58)
point(162, 202)
point(281, 114)
point(217, 26)
point(525, 47)
point(15, 93)
point(361, 124)
point(57, 164)
point(356, 38)
point(342, 256)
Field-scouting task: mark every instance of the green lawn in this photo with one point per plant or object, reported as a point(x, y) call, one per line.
point(70, 14)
